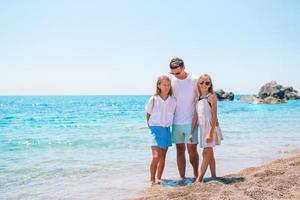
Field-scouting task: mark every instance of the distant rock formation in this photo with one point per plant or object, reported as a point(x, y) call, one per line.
point(224, 96)
point(272, 89)
point(272, 93)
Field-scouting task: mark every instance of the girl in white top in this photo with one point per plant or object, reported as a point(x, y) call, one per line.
point(160, 112)
point(206, 116)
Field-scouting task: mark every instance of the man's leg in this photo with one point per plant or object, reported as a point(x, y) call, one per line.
point(194, 157)
point(181, 159)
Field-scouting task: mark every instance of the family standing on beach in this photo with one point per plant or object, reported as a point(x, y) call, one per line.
point(181, 105)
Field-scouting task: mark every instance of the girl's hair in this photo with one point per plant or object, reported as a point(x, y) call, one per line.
point(210, 89)
point(159, 81)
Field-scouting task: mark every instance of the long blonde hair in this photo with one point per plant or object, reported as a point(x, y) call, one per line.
point(158, 82)
point(210, 89)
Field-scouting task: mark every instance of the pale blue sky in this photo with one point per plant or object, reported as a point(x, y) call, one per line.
point(120, 47)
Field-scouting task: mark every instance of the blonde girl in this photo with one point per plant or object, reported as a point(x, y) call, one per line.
point(159, 114)
point(206, 117)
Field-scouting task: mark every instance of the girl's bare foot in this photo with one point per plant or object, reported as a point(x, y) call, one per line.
point(198, 179)
point(159, 181)
point(197, 182)
point(152, 182)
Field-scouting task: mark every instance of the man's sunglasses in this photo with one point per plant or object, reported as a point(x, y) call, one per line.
point(175, 74)
point(207, 83)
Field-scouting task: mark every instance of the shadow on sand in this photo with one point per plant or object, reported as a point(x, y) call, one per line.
point(189, 181)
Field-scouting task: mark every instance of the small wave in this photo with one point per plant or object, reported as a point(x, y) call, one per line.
point(8, 117)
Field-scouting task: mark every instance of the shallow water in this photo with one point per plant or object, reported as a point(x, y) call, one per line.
point(79, 147)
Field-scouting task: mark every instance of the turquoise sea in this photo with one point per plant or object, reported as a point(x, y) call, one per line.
point(97, 147)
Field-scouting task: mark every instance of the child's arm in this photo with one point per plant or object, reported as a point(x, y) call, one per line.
point(214, 104)
point(194, 124)
point(149, 108)
point(148, 117)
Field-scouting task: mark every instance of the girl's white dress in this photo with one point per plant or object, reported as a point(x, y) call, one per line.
point(204, 113)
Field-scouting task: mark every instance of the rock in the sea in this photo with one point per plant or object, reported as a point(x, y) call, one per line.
point(222, 95)
point(257, 101)
point(272, 93)
point(273, 89)
point(273, 100)
point(292, 95)
point(267, 100)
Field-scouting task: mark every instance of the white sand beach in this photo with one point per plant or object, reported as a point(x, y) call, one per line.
point(279, 179)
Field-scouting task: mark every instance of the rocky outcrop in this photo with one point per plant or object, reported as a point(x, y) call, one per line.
point(272, 89)
point(273, 100)
point(292, 95)
point(224, 96)
point(267, 100)
point(272, 93)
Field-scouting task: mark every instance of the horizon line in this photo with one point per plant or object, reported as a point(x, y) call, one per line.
point(37, 95)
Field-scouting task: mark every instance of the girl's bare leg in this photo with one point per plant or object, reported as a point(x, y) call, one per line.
point(212, 165)
point(205, 162)
point(161, 163)
point(154, 162)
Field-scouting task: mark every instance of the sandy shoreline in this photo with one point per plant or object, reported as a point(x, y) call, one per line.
point(279, 179)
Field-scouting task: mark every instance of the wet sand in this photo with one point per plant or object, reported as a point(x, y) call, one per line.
point(279, 179)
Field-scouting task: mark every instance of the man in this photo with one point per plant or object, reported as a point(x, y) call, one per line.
point(185, 90)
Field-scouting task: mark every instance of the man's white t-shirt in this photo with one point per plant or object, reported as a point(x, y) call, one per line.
point(186, 93)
